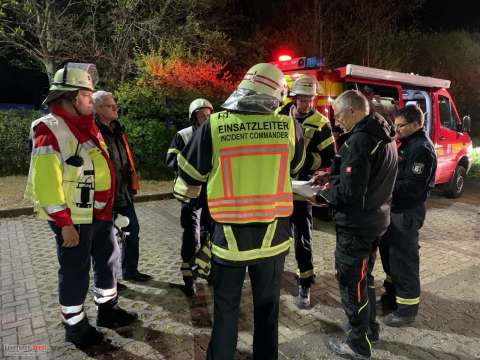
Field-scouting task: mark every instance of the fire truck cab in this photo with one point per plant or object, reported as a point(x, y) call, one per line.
point(389, 91)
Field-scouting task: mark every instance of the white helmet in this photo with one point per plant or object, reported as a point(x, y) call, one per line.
point(265, 79)
point(72, 77)
point(198, 104)
point(305, 85)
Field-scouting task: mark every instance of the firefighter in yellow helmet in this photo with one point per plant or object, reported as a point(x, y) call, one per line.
point(246, 155)
point(194, 217)
point(320, 150)
point(71, 182)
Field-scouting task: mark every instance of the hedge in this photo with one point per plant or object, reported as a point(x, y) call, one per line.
point(14, 141)
point(149, 139)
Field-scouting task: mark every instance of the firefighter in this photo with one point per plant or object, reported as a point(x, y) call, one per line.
point(71, 182)
point(361, 183)
point(194, 216)
point(399, 246)
point(126, 184)
point(320, 150)
point(246, 155)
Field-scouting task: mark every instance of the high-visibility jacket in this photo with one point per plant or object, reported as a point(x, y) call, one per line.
point(319, 141)
point(246, 161)
point(179, 141)
point(53, 185)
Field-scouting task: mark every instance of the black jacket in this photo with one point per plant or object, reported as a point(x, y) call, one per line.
point(363, 176)
point(416, 172)
point(118, 154)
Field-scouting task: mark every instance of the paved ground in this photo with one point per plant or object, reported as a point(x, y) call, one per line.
point(448, 326)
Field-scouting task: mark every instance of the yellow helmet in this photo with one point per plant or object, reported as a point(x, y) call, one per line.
point(72, 77)
point(265, 79)
point(305, 85)
point(198, 104)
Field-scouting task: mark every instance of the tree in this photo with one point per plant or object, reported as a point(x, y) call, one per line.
point(108, 33)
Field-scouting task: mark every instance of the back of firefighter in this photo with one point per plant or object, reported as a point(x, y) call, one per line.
point(71, 182)
point(399, 246)
point(361, 184)
point(246, 155)
point(194, 217)
point(320, 150)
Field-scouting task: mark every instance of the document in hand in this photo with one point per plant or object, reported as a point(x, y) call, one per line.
point(305, 188)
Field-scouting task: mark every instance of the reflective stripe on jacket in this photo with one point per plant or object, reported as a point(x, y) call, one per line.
point(53, 185)
point(260, 145)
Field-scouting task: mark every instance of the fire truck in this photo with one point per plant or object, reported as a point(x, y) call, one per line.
point(389, 91)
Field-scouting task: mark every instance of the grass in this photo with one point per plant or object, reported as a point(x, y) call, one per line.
point(12, 188)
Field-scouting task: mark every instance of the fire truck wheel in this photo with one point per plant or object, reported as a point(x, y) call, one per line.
point(454, 187)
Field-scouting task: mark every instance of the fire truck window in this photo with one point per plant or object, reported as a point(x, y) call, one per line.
point(446, 117)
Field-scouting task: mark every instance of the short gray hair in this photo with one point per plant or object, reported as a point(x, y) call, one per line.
point(354, 99)
point(98, 97)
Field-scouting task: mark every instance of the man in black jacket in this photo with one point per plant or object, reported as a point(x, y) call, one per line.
point(361, 183)
point(399, 245)
point(126, 181)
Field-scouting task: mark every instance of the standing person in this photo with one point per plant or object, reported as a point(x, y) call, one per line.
point(320, 150)
point(246, 155)
point(194, 216)
point(126, 180)
point(72, 182)
point(399, 246)
point(361, 184)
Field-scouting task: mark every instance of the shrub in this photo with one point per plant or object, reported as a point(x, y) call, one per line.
point(474, 173)
point(155, 105)
point(14, 141)
point(149, 140)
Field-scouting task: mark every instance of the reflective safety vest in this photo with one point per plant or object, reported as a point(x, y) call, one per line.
point(250, 177)
point(78, 184)
point(313, 123)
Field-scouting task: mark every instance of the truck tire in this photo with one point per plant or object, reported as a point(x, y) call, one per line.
point(454, 188)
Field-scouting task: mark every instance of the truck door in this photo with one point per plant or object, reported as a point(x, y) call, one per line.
point(447, 139)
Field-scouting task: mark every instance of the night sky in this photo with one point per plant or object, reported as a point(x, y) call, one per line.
point(435, 15)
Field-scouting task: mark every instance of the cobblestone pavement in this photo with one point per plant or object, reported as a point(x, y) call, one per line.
point(173, 327)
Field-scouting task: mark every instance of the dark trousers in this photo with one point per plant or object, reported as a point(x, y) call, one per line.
point(196, 223)
point(227, 281)
point(302, 222)
point(190, 221)
point(354, 264)
point(131, 247)
point(401, 260)
point(97, 246)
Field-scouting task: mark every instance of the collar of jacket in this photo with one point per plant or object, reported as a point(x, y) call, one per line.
point(419, 133)
point(83, 126)
point(114, 129)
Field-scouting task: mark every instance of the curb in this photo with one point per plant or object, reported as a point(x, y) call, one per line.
point(7, 213)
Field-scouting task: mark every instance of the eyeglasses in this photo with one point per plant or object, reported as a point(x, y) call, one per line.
point(401, 126)
point(113, 107)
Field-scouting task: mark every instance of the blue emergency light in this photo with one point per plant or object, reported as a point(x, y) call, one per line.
point(288, 63)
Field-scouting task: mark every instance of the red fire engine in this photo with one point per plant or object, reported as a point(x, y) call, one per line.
point(390, 90)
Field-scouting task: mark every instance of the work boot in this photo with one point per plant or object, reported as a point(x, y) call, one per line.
point(83, 335)
point(112, 316)
point(190, 287)
point(303, 298)
point(341, 348)
point(396, 320)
